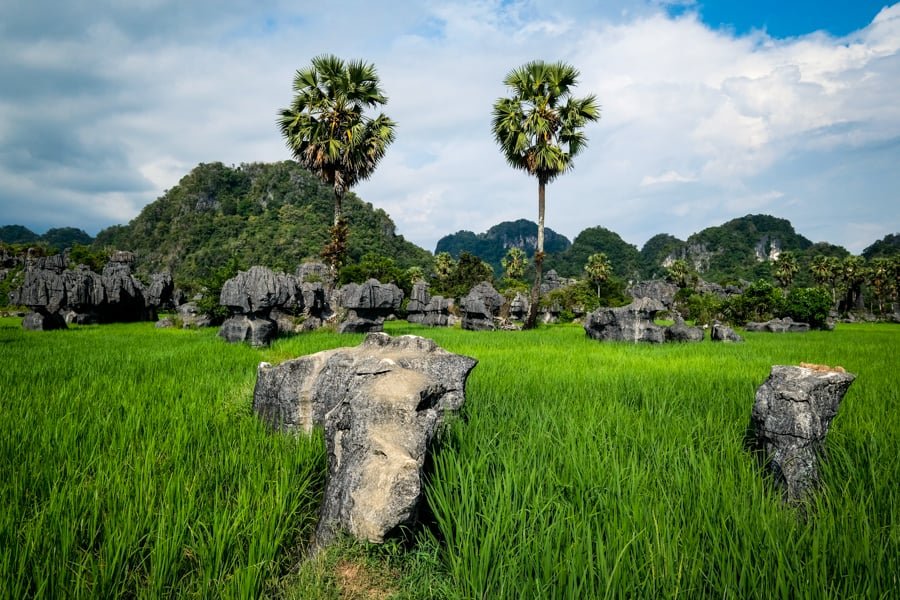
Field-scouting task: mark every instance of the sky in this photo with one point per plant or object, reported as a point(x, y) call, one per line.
point(709, 110)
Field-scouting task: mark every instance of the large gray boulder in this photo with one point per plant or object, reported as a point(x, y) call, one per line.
point(256, 330)
point(630, 323)
point(381, 404)
point(368, 305)
point(682, 332)
point(437, 312)
point(258, 290)
point(657, 289)
point(161, 293)
point(785, 325)
point(793, 410)
point(43, 321)
point(480, 306)
point(723, 333)
point(124, 292)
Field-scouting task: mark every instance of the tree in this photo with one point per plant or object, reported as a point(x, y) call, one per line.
point(598, 269)
point(786, 269)
point(853, 273)
point(329, 133)
point(539, 130)
point(880, 279)
point(514, 263)
point(681, 274)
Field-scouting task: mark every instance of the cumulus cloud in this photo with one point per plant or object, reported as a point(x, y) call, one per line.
point(112, 106)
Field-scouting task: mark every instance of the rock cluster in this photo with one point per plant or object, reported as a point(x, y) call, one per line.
point(631, 323)
point(785, 325)
point(793, 409)
point(58, 295)
point(368, 305)
point(657, 289)
point(262, 302)
point(723, 333)
point(682, 332)
point(425, 309)
point(480, 307)
point(380, 404)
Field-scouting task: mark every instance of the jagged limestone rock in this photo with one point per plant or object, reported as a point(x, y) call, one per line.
point(793, 410)
point(381, 404)
point(630, 323)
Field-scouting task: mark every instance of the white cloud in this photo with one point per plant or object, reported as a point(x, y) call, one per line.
point(135, 104)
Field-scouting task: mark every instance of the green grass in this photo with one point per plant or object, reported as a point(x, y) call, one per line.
point(131, 465)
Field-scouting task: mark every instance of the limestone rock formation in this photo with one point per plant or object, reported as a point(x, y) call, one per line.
point(785, 325)
point(681, 332)
point(161, 292)
point(257, 330)
point(380, 404)
point(723, 333)
point(631, 323)
point(657, 289)
point(480, 307)
point(793, 410)
point(257, 291)
point(368, 305)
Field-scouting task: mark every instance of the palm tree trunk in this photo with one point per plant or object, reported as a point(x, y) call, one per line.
point(338, 206)
point(531, 321)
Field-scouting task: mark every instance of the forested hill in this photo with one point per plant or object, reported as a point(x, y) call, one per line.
point(492, 245)
point(58, 238)
point(261, 214)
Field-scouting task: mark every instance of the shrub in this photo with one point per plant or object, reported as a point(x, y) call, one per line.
point(809, 305)
point(760, 302)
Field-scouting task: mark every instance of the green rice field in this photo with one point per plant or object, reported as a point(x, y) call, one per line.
point(131, 466)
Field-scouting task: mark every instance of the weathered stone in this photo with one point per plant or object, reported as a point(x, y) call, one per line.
point(480, 307)
point(124, 293)
point(631, 323)
point(657, 289)
point(161, 292)
point(681, 332)
point(794, 408)
point(165, 323)
point(552, 281)
point(84, 289)
point(258, 290)
point(381, 404)
point(368, 305)
point(43, 321)
point(723, 333)
point(191, 316)
point(257, 330)
point(785, 325)
point(418, 298)
point(81, 318)
point(518, 307)
point(313, 272)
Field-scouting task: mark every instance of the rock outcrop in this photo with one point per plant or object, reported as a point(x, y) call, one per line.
point(250, 296)
point(658, 289)
point(682, 332)
point(631, 323)
point(368, 305)
point(785, 325)
point(380, 404)
point(793, 410)
point(425, 309)
point(480, 307)
point(723, 333)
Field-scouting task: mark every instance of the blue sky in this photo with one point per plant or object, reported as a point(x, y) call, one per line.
point(710, 110)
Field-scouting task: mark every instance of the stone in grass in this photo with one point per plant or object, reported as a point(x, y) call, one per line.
point(794, 408)
point(255, 329)
point(381, 404)
point(630, 323)
point(723, 333)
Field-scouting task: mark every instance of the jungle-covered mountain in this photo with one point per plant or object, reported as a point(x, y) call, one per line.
point(491, 246)
point(272, 214)
point(58, 238)
point(886, 247)
point(623, 257)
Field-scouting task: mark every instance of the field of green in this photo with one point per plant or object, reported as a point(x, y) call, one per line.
point(131, 465)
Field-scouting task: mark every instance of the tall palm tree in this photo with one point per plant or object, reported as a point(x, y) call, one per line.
point(328, 132)
point(539, 130)
point(599, 269)
point(786, 267)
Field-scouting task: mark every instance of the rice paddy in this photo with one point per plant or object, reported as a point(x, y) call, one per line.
point(131, 465)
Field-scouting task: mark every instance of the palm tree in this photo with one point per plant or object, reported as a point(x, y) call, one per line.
point(680, 273)
point(598, 269)
point(514, 263)
point(328, 132)
point(824, 270)
point(853, 272)
point(539, 130)
point(786, 268)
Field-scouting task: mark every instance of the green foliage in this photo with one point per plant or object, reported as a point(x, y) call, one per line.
point(655, 251)
point(283, 215)
point(467, 272)
point(211, 288)
point(702, 308)
point(808, 305)
point(682, 274)
point(374, 266)
point(785, 269)
point(761, 301)
point(10, 280)
point(93, 259)
point(624, 257)
point(514, 263)
point(493, 244)
point(886, 247)
point(17, 234)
